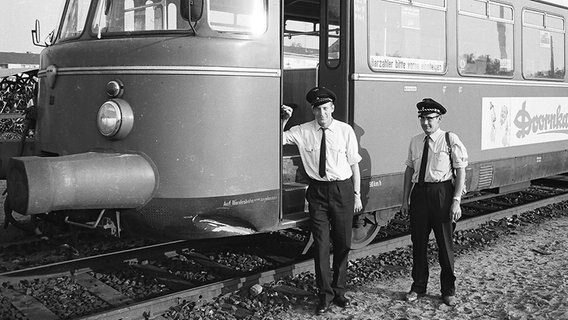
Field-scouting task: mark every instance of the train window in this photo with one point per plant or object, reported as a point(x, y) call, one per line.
point(498, 11)
point(492, 54)
point(554, 23)
point(75, 18)
point(535, 19)
point(543, 46)
point(301, 44)
point(475, 7)
point(115, 16)
point(434, 3)
point(333, 33)
point(240, 16)
point(407, 37)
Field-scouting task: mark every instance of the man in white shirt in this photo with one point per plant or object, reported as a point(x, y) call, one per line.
point(433, 156)
point(333, 194)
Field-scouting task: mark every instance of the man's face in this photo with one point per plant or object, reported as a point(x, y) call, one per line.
point(323, 113)
point(430, 122)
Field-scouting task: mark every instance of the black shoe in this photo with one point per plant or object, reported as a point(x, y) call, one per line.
point(413, 296)
point(323, 307)
point(449, 300)
point(341, 301)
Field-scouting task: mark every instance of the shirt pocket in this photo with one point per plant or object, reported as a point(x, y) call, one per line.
point(312, 153)
point(338, 156)
point(441, 162)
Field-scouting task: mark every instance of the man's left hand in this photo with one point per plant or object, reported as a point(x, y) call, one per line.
point(358, 204)
point(455, 211)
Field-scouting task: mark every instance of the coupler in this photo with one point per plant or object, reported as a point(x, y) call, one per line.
point(90, 180)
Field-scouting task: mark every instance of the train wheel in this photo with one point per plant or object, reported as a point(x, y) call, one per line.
point(365, 229)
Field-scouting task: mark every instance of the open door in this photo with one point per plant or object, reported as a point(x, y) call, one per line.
point(316, 47)
point(300, 47)
point(335, 55)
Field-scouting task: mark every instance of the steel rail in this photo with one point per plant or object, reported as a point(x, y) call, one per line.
point(86, 264)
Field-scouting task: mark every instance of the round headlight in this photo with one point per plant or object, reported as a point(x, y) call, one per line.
point(115, 119)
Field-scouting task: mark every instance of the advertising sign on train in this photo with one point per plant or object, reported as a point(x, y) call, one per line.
point(521, 121)
point(406, 64)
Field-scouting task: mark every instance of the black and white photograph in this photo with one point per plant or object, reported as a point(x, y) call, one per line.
point(283, 159)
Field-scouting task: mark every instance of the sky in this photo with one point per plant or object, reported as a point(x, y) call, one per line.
point(17, 18)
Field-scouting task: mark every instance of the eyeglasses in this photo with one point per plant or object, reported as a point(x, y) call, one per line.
point(428, 118)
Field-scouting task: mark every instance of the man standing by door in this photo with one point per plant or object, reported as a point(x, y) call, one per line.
point(434, 201)
point(329, 153)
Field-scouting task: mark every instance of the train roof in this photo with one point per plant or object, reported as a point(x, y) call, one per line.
point(558, 3)
point(309, 10)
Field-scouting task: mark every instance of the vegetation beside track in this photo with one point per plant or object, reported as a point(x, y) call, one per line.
point(16, 92)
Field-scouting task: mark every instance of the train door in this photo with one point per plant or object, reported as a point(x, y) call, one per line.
point(335, 55)
point(300, 65)
point(316, 51)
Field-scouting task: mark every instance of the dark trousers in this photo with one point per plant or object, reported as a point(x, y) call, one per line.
point(430, 210)
point(331, 207)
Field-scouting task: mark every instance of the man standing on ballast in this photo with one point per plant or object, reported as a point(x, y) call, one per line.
point(433, 156)
point(330, 156)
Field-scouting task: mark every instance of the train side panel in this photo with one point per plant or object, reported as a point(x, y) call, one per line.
point(384, 115)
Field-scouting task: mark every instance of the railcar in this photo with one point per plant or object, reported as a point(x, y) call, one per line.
point(163, 116)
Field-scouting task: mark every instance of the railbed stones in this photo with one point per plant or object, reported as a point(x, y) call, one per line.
point(395, 267)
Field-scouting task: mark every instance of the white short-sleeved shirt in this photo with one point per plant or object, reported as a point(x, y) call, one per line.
point(342, 149)
point(438, 168)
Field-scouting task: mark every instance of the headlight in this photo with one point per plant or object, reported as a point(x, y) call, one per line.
point(115, 119)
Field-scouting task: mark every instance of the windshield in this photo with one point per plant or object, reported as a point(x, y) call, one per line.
point(239, 16)
point(75, 17)
point(132, 16)
point(138, 16)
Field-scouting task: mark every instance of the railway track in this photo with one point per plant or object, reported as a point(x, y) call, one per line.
point(175, 274)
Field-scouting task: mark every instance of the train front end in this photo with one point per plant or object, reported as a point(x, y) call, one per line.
point(161, 115)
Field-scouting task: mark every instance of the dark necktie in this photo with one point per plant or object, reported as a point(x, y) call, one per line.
point(423, 162)
point(322, 153)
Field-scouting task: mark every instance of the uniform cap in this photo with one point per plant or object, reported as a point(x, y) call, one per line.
point(428, 105)
point(320, 95)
